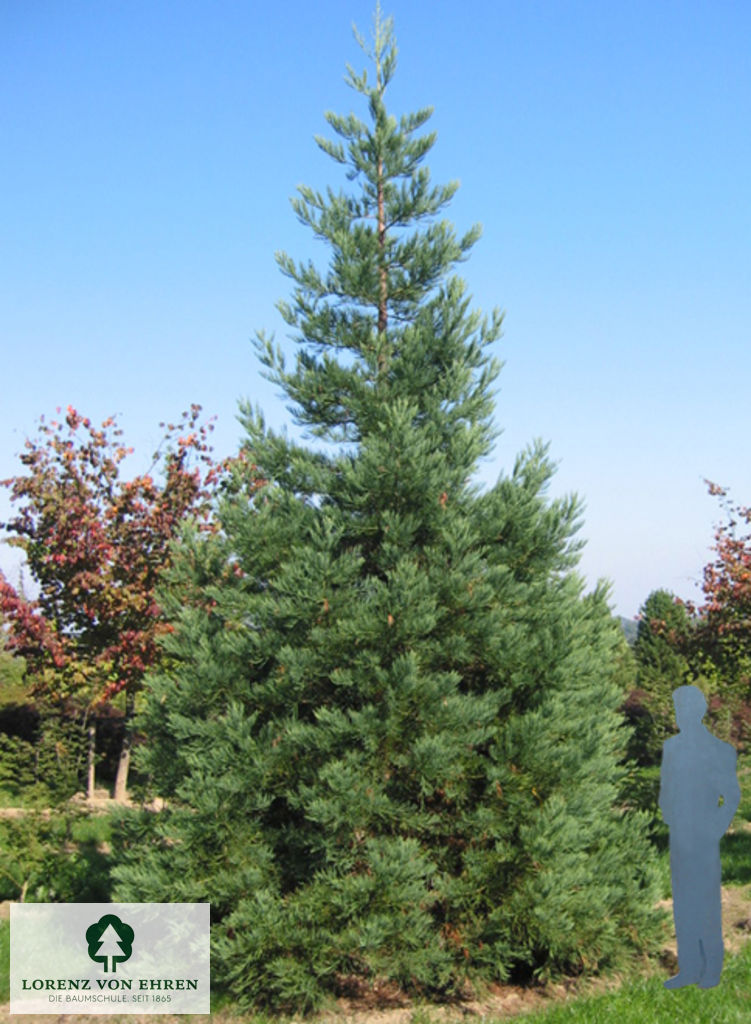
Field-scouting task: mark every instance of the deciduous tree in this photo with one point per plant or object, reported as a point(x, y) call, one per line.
point(720, 644)
point(95, 545)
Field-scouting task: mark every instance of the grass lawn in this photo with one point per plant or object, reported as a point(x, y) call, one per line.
point(647, 1002)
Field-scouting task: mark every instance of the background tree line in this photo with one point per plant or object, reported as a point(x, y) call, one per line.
point(706, 643)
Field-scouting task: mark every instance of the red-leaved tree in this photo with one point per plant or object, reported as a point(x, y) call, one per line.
point(719, 644)
point(726, 612)
point(95, 545)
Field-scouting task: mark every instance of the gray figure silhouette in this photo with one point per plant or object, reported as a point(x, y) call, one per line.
point(699, 794)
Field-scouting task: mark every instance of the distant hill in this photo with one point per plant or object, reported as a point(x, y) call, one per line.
point(629, 627)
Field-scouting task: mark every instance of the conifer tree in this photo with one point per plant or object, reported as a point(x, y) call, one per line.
point(389, 735)
point(664, 630)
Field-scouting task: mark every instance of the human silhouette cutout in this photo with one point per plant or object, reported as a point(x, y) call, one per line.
point(699, 794)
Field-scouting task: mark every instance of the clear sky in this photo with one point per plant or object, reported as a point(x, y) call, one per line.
point(150, 148)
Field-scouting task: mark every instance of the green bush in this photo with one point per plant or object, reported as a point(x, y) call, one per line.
point(52, 858)
point(48, 769)
point(17, 760)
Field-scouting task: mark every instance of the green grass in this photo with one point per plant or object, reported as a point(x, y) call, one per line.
point(735, 847)
point(736, 858)
point(647, 1002)
point(93, 828)
point(744, 777)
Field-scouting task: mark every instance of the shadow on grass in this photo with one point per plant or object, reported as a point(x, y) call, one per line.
point(94, 883)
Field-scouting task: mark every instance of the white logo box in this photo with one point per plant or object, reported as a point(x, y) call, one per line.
point(109, 958)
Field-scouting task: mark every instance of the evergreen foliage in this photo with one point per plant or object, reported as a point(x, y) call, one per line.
point(46, 769)
point(664, 627)
point(660, 666)
point(389, 733)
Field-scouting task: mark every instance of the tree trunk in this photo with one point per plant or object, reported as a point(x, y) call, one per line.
point(383, 273)
point(121, 780)
point(91, 761)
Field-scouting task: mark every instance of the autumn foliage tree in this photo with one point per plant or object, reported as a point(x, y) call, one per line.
point(707, 642)
point(95, 545)
point(721, 641)
point(726, 612)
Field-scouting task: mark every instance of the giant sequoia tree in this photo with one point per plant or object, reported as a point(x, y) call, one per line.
point(389, 735)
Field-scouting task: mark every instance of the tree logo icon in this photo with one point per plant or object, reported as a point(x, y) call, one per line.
point(110, 941)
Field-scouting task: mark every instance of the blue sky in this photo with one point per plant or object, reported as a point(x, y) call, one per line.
point(150, 148)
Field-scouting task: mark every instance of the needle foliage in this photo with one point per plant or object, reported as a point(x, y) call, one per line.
point(389, 734)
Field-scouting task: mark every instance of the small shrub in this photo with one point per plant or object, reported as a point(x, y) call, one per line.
point(45, 768)
point(50, 858)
